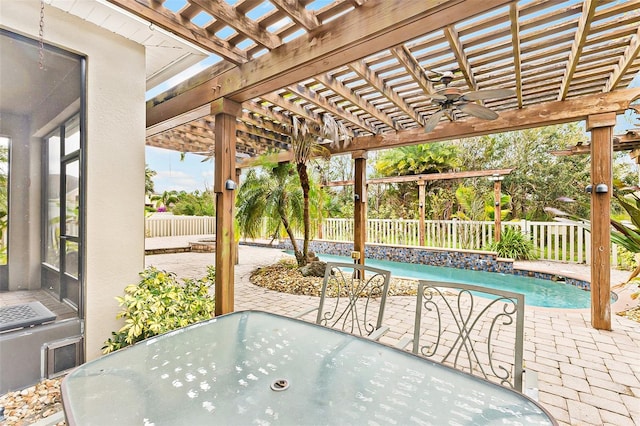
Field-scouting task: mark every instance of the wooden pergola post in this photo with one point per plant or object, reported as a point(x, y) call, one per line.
point(421, 211)
point(224, 186)
point(497, 210)
point(360, 204)
point(601, 128)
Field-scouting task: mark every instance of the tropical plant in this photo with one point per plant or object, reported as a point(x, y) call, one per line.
point(418, 159)
point(401, 199)
point(514, 244)
point(166, 199)
point(159, 303)
point(306, 138)
point(273, 192)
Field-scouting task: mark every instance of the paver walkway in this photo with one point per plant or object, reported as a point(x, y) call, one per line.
point(586, 376)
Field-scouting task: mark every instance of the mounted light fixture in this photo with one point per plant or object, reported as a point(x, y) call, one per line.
point(230, 185)
point(588, 189)
point(602, 188)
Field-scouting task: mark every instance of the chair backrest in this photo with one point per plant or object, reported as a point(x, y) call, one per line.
point(476, 329)
point(353, 298)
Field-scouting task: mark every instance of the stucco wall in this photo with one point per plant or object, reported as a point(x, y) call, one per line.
point(115, 132)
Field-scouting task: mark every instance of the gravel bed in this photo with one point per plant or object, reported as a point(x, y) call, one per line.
point(27, 406)
point(285, 277)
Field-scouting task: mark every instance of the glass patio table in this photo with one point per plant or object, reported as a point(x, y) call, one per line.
point(252, 367)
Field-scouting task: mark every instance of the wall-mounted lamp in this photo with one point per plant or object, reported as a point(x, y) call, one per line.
point(495, 178)
point(356, 197)
point(602, 188)
point(230, 185)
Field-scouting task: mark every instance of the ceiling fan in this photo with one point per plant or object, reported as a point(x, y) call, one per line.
point(451, 98)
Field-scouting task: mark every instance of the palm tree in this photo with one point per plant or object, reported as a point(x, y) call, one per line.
point(273, 193)
point(306, 139)
point(166, 199)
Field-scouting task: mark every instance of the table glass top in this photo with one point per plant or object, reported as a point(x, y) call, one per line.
point(232, 370)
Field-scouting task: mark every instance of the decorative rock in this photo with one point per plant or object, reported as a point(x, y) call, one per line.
point(313, 269)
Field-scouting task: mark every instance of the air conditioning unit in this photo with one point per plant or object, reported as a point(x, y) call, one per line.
point(60, 356)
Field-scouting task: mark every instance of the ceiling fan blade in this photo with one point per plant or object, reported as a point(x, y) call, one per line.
point(433, 121)
point(437, 97)
point(479, 95)
point(478, 111)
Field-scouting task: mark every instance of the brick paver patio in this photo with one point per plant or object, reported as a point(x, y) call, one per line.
point(585, 376)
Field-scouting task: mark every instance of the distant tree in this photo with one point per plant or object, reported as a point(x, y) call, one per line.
point(194, 203)
point(148, 180)
point(539, 177)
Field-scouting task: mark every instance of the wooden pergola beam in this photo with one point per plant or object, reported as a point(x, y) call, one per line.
point(426, 177)
point(547, 114)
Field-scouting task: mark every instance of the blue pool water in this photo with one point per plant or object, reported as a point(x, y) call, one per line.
point(537, 292)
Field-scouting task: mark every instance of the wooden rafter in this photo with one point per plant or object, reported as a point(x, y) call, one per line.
point(624, 63)
point(335, 110)
point(368, 75)
point(458, 51)
point(147, 9)
point(588, 12)
point(515, 39)
point(346, 93)
point(243, 25)
point(297, 13)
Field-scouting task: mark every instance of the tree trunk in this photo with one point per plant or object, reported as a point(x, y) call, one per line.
point(300, 257)
point(304, 183)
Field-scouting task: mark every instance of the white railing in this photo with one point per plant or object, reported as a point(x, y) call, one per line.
point(556, 241)
point(168, 225)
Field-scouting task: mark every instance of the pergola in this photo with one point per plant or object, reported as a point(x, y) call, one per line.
point(367, 63)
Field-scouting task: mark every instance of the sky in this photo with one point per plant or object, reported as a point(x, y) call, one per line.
point(172, 174)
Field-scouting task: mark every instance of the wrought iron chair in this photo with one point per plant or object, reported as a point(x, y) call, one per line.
point(353, 299)
point(474, 329)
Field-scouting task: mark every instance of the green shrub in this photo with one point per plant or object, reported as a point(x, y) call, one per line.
point(514, 244)
point(159, 303)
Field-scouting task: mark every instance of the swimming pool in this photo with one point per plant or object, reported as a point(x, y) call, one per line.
point(544, 293)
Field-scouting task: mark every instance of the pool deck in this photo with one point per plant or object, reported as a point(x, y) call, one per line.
point(585, 376)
